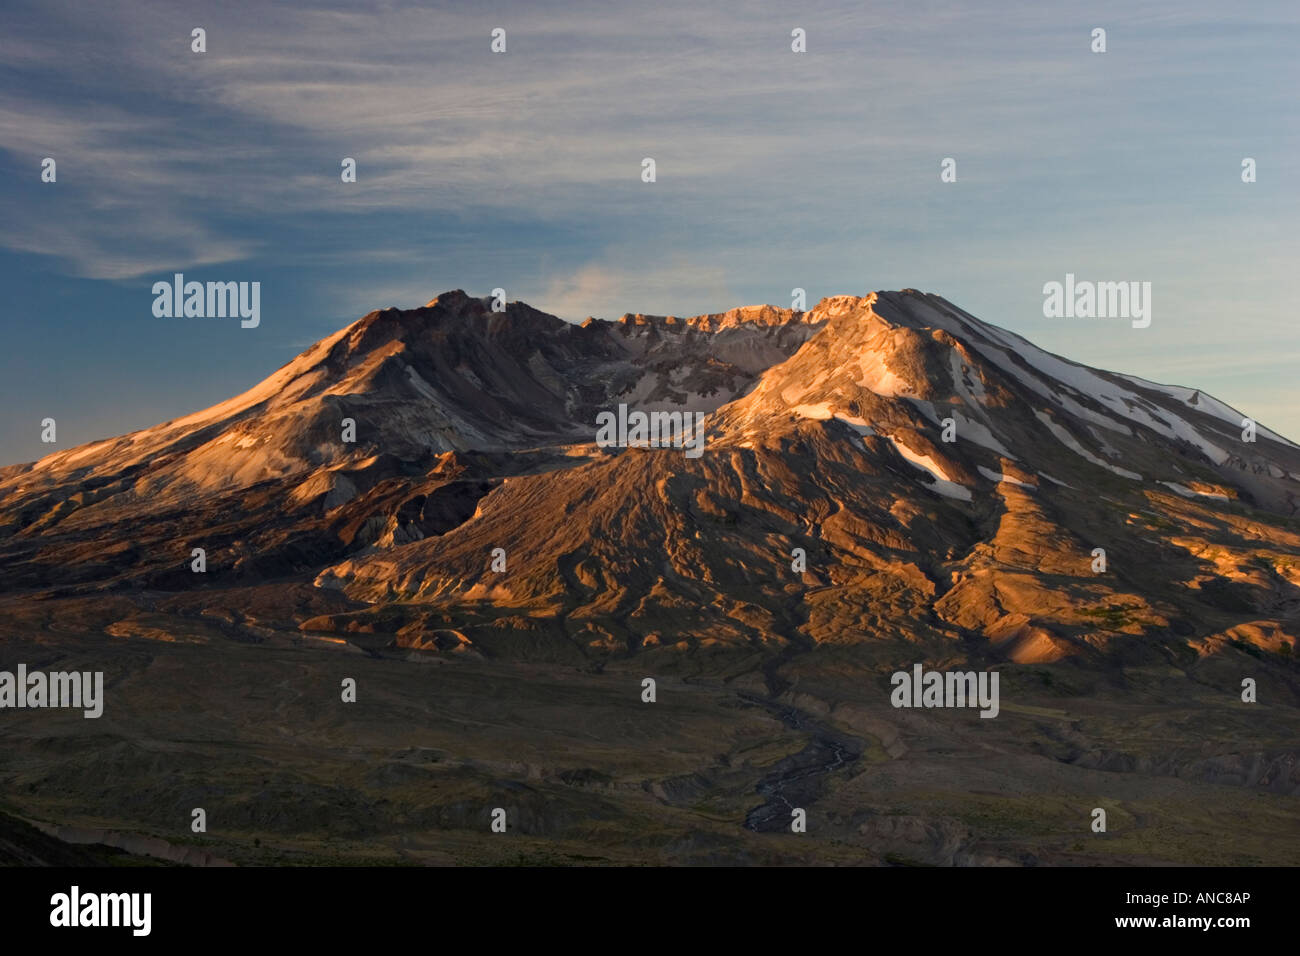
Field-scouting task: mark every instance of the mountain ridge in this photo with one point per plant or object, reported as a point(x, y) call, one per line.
point(378, 326)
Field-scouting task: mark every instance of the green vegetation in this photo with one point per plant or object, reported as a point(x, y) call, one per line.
point(1114, 616)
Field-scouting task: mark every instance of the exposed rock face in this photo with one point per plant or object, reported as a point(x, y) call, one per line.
point(946, 481)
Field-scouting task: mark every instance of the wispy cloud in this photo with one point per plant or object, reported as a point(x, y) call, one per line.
point(220, 143)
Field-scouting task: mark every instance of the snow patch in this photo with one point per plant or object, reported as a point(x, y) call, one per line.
point(819, 412)
point(1192, 493)
point(966, 427)
point(1069, 441)
point(972, 393)
point(857, 424)
point(979, 434)
point(999, 477)
point(942, 483)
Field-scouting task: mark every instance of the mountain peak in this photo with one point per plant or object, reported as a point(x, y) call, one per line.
point(458, 300)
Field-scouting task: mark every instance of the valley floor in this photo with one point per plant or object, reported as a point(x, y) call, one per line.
point(258, 736)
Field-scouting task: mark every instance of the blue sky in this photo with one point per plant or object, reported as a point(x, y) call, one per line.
point(522, 170)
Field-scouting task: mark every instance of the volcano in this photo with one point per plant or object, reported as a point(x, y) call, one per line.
point(882, 468)
point(882, 482)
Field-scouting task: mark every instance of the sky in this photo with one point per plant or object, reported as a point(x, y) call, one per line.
point(522, 170)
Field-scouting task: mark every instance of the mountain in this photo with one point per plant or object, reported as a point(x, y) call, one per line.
point(946, 482)
point(886, 482)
